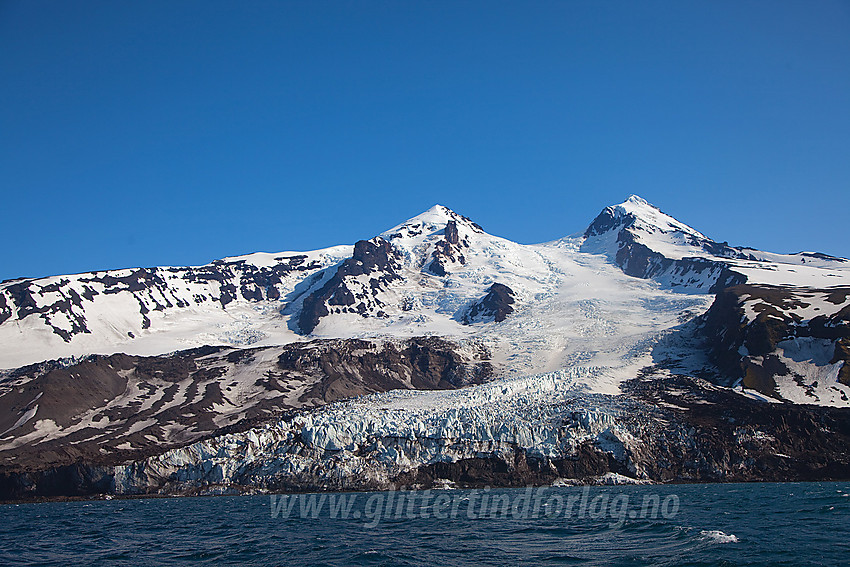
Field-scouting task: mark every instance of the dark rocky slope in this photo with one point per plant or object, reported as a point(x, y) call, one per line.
point(495, 306)
point(110, 409)
point(341, 293)
point(746, 324)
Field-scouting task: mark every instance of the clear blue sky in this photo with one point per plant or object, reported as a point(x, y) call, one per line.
point(150, 133)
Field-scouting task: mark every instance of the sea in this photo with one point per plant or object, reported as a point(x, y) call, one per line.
point(793, 524)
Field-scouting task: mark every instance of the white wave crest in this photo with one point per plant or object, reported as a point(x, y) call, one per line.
point(718, 537)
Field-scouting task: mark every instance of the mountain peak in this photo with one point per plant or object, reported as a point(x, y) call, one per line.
point(437, 213)
point(639, 207)
point(638, 214)
point(638, 200)
point(435, 218)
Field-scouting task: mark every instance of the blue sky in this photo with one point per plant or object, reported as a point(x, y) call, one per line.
point(154, 133)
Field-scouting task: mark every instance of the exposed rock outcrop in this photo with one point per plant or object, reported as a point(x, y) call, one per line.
point(758, 331)
point(354, 367)
point(448, 251)
point(375, 258)
point(495, 306)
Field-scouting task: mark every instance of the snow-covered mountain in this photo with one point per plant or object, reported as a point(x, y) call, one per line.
point(433, 274)
point(159, 359)
point(646, 243)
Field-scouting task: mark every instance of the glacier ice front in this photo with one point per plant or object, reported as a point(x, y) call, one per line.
point(375, 439)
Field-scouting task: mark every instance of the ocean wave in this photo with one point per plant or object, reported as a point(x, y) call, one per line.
point(717, 536)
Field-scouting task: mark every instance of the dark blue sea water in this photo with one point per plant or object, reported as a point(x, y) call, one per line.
point(754, 524)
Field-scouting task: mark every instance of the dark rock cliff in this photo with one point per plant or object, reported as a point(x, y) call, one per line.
point(353, 367)
point(376, 258)
point(744, 347)
point(448, 251)
point(495, 306)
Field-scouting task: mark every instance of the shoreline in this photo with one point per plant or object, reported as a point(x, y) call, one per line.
point(260, 492)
